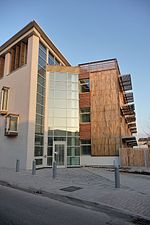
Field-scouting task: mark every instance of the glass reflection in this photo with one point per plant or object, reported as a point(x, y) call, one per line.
point(63, 113)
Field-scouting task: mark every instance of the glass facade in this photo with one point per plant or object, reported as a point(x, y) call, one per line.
point(40, 105)
point(63, 116)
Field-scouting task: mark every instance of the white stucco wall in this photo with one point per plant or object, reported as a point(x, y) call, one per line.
point(22, 101)
point(98, 161)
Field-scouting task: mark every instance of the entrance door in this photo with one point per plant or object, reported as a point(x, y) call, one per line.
point(59, 153)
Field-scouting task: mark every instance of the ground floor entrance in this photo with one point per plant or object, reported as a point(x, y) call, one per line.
point(60, 153)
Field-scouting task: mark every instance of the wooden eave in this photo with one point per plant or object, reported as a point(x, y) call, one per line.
point(63, 69)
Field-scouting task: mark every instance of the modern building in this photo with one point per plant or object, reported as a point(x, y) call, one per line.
point(49, 110)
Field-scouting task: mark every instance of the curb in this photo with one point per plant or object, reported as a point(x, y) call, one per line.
point(99, 207)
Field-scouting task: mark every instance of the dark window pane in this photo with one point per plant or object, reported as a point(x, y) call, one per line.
point(42, 47)
point(42, 62)
point(41, 89)
point(49, 161)
point(39, 129)
point(39, 161)
point(50, 151)
point(59, 138)
point(39, 119)
point(40, 109)
point(41, 80)
point(59, 133)
point(72, 134)
point(85, 142)
point(39, 140)
point(41, 71)
point(85, 110)
point(85, 118)
point(73, 141)
point(40, 99)
point(72, 151)
point(42, 54)
point(73, 161)
point(38, 151)
point(50, 141)
point(86, 150)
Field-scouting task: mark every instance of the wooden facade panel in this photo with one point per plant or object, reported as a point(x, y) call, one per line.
point(84, 100)
point(2, 61)
point(85, 131)
point(105, 113)
point(134, 157)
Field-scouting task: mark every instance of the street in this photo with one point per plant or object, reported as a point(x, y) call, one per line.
point(21, 208)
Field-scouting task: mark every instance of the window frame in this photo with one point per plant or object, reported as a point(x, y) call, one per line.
point(3, 110)
point(86, 112)
point(8, 130)
point(86, 83)
point(84, 145)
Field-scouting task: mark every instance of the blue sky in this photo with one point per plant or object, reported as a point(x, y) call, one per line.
point(89, 30)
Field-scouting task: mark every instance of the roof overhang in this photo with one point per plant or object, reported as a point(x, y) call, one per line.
point(25, 30)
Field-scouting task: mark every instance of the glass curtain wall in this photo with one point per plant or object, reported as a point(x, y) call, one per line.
point(40, 105)
point(63, 115)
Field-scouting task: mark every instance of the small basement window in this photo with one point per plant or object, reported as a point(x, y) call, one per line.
point(11, 128)
point(4, 100)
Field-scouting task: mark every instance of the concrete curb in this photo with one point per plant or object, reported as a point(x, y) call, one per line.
point(104, 208)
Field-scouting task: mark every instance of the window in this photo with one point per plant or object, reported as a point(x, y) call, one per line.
point(85, 147)
point(4, 100)
point(85, 85)
point(11, 125)
point(85, 115)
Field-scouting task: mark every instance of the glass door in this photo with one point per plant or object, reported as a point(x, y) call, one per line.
point(59, 153)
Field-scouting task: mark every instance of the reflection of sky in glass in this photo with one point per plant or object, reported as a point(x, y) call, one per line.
point(63, 102)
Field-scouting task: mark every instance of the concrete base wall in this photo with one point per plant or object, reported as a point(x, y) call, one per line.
point(98, 161)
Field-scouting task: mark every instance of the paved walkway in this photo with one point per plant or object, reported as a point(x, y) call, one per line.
point(96, 185)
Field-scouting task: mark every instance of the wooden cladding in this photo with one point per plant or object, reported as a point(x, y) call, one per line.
point(18, 56)
point(85, 131)
point(2, 62)
point(84, 100)
point(105, 113)
point(63, 69)
point(135, 157)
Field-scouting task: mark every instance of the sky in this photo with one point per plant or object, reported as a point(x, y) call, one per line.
point(90, 30)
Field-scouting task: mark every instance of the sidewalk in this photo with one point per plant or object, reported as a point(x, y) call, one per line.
point(95, 185)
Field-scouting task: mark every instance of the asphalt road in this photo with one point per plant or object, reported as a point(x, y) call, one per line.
point(22, 208)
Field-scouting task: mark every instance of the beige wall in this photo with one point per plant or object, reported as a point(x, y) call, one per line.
point(22, 101)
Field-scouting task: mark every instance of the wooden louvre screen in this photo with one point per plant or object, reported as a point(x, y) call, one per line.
point(125, 82)
point(128, 97)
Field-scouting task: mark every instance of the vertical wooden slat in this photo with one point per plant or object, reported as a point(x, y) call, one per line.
point(23, 52)
point(2, 61)
point(12, 63)
point(17, 53)
point(133, 157)
point(105, 113)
